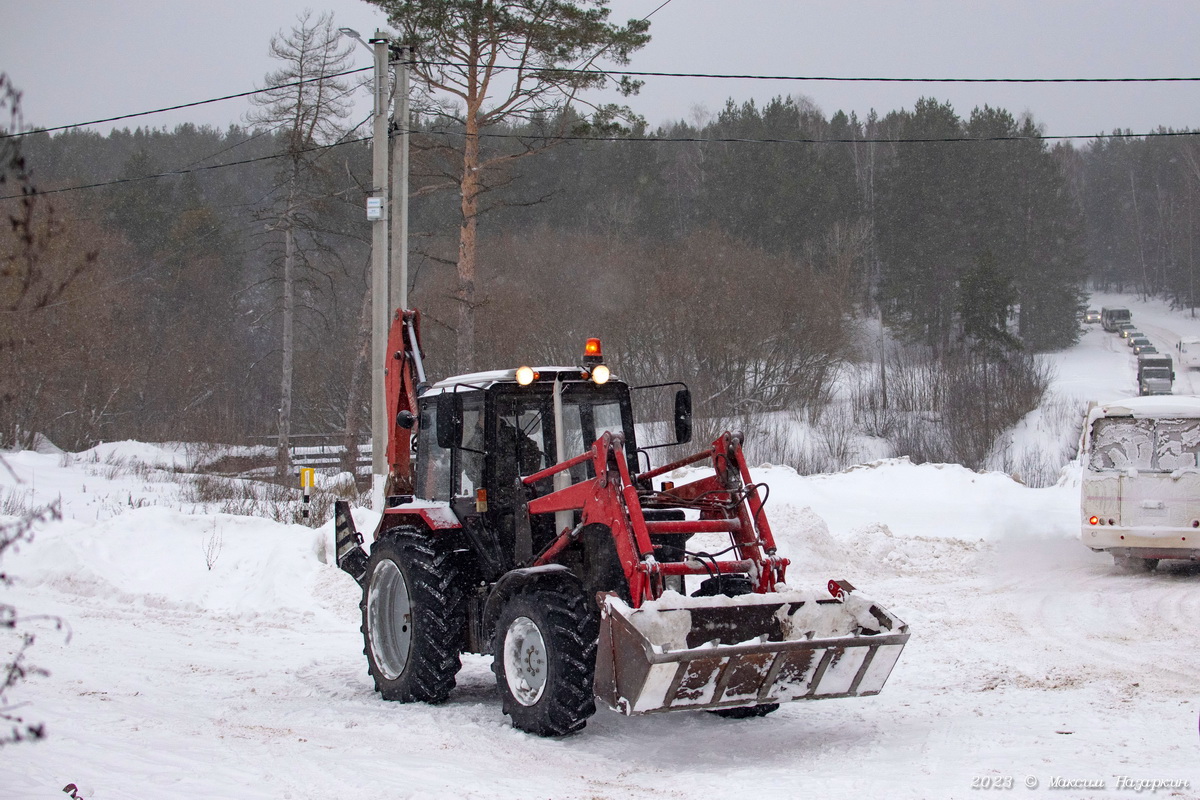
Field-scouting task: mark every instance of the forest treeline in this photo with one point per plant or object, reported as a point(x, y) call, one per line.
point(738, 253)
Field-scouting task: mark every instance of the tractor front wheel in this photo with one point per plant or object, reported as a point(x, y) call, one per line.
point(545, 659)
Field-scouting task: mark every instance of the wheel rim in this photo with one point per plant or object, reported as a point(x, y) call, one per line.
point(389, 619)
point(525, 661)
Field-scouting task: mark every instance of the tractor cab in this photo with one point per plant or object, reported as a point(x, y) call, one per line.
point(481, 433)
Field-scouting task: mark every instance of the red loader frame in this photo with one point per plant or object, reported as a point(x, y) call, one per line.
point(727, 502)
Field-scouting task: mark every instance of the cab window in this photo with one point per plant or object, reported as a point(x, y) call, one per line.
point(433, 470)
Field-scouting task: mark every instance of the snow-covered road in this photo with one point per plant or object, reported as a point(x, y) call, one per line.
point(1031, 658)
point(1164, 328)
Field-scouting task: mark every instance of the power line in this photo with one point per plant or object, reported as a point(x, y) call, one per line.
point(832, 78)
point(181, 105)
point(851, 140)
point(639, 140)
point(633, 74)
point(176, 172)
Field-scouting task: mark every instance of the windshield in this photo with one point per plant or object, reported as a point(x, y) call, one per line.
point(589, 411)
point(1145, 445)
point(1163, 373)
point(585, 423)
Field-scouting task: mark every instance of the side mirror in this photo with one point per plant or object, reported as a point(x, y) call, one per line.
point(449, 420)
point(406, 419)
point(683, 416)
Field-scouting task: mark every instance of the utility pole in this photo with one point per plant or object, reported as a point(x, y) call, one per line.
point(400, 151)
point(377, 212)
point(388, 292)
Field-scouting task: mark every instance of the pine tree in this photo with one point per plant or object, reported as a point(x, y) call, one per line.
point(507, 61)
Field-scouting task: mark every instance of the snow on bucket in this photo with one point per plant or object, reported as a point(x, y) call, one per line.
point(681, 653)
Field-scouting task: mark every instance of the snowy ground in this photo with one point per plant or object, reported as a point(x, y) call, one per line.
point(1031, 658)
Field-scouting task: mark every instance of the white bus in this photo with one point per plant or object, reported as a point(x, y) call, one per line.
point(1189, 351)
point(1141, 480)
point(1112, 317)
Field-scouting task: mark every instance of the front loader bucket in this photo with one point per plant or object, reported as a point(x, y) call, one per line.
point(683, 653)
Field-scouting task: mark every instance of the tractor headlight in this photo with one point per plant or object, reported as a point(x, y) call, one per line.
point(525, 375)
point(600, 374)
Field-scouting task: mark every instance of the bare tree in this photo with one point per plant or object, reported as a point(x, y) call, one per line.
point(507, 61)
point(307, 102)
point(26, 288)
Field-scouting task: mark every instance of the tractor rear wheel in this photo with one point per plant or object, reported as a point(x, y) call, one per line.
point(413, 616)
point(545, 659)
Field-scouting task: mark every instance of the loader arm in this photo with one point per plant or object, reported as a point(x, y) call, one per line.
point(664, 651)
point(405, 374)
point(727, 502)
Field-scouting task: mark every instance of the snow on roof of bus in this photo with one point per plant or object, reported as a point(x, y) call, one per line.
point(1148, 407)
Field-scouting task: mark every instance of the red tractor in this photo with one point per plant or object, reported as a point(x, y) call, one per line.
point(530, 526)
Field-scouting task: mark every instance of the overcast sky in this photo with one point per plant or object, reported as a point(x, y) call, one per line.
point(78, 60)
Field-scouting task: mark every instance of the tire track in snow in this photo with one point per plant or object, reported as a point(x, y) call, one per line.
point(1146, 609)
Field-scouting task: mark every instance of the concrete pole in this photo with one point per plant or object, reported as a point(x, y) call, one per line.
point(400, 154)
point(379, 276)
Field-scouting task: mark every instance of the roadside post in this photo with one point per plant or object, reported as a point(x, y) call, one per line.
point(307, 481)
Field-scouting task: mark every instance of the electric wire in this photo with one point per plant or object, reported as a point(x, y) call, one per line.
point(641, 140)
point(830, 78)
point(193, 104)
point(176, 172)
point(634, 74)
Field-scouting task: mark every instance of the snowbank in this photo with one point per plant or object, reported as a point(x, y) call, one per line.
point(157, 556)
point(921, 500)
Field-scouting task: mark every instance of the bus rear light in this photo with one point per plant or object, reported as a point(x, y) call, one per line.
point(1094, 520)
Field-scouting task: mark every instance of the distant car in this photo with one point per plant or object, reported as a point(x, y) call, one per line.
point(1138, 349)
point(1129, 332)
point(1134, 341)
point(1091, 315)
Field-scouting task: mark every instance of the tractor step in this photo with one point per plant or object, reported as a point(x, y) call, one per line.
point(347, 540)
point(686, 653)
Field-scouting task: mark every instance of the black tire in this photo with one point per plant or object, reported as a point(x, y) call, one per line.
point(552, 632)
point(745, 712)
point(413, 616)
point(733, 586)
